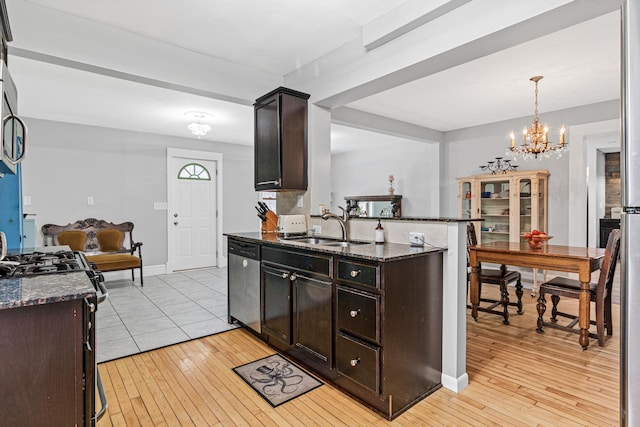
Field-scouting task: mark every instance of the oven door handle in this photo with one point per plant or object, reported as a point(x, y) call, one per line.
point(103, 397)
point(103, 290)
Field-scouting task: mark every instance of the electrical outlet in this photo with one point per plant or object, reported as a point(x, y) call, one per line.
point(300, 202)
point(416, 239)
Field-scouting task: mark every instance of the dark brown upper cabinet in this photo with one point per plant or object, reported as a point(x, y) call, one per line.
point(280, 144)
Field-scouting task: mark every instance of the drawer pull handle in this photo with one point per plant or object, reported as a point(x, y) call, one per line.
point(354, 362)
point(354, 313)
point(355, 273)
point(285, 275)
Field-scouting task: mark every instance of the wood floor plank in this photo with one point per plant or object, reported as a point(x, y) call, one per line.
point(517, 377)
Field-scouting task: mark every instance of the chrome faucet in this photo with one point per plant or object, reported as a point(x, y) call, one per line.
point(344, 222)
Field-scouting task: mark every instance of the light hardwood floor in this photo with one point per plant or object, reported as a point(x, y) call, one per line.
point(517, 377)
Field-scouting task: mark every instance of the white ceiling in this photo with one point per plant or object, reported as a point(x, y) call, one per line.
point(580, 65)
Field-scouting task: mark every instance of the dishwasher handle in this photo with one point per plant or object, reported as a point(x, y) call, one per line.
point(244, 249)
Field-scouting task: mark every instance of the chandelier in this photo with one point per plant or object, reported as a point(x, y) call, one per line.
point(535, 140)
point(198, 128)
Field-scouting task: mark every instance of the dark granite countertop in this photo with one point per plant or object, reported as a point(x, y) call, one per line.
point(370, 251)
point(409, 218)
point(44, 289)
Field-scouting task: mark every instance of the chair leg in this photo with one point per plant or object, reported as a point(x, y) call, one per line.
point(505, 301)
point(607, 316)
point(541, 307)
point(600, 322)
point(555, 299)
point(519, 293)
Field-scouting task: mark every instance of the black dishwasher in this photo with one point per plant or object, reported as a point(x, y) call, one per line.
point(244, 283)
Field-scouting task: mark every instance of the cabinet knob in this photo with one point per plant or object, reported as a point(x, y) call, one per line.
point(354, 273)
point(354, 313)
point(354, 362)
point(294, 277)
point(285, 275)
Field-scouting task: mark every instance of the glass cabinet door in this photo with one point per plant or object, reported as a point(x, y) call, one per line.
point(495, 210)
point(465, 192)
point(526, 223)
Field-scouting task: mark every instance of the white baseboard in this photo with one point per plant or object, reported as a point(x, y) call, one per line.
point(151, 270)
point(455, 384)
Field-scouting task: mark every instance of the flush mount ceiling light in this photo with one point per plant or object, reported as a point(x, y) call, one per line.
point(535, 139)
point(198, 128)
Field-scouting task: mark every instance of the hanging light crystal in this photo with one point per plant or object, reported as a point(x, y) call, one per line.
point(535, 139)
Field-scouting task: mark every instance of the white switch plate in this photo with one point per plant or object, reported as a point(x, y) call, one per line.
point(416, 239)
point(90, 200)
point(300, 201)
point(26, 201)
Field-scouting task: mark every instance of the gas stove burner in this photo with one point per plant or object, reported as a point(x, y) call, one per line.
point(37, 263)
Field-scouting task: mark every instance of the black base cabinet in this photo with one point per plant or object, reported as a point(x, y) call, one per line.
point(297, 296)
point(47, 374)
point(374, 329)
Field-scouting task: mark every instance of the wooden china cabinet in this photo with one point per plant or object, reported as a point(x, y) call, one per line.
point(509, 204)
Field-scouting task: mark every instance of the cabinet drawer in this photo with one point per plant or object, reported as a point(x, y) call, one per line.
point(358, 313)
point(355, 272)
point(311, 262)
point(358, 361)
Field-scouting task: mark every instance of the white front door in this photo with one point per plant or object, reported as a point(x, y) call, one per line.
point(192, 212)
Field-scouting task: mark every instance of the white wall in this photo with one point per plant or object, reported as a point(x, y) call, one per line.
point(125, 173)
point(365, 172)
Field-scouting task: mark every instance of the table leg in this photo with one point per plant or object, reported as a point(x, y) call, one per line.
point(584, 312)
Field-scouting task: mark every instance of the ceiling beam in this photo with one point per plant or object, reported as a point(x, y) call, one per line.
point(405, 18)
point(556, 19)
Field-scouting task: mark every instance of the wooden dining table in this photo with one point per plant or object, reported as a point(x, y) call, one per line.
point(574, 259)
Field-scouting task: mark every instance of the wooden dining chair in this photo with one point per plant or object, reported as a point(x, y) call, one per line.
point(494, 276)
point(600, 293)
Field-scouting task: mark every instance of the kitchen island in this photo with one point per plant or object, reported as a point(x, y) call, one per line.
point(365, 317)
point(47, 344)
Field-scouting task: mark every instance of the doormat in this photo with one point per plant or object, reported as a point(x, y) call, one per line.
point(276, 379)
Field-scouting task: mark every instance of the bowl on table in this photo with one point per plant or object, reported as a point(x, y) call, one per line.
point(537, 241)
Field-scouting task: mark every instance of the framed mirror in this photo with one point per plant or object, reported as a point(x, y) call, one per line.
point(387, 206)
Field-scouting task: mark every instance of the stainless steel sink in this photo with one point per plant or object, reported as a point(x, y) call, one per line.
point(314, 240)
point(343, 244)
point(327, 242)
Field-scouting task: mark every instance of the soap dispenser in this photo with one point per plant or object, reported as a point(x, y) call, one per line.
point(379, 236)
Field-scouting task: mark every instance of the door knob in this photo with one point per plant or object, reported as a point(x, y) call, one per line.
point(175, 222)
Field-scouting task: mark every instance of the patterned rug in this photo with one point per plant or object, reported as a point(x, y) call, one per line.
point(276, 379)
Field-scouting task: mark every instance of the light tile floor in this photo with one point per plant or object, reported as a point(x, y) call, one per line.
point(169, 309)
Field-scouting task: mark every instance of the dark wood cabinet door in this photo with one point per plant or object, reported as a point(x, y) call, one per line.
point(268, 172)
point(280, 140)
point(276, 300)
point(41, 371)
point(313, 316)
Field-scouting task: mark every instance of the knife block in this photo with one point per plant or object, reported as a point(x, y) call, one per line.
point(271, 224)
